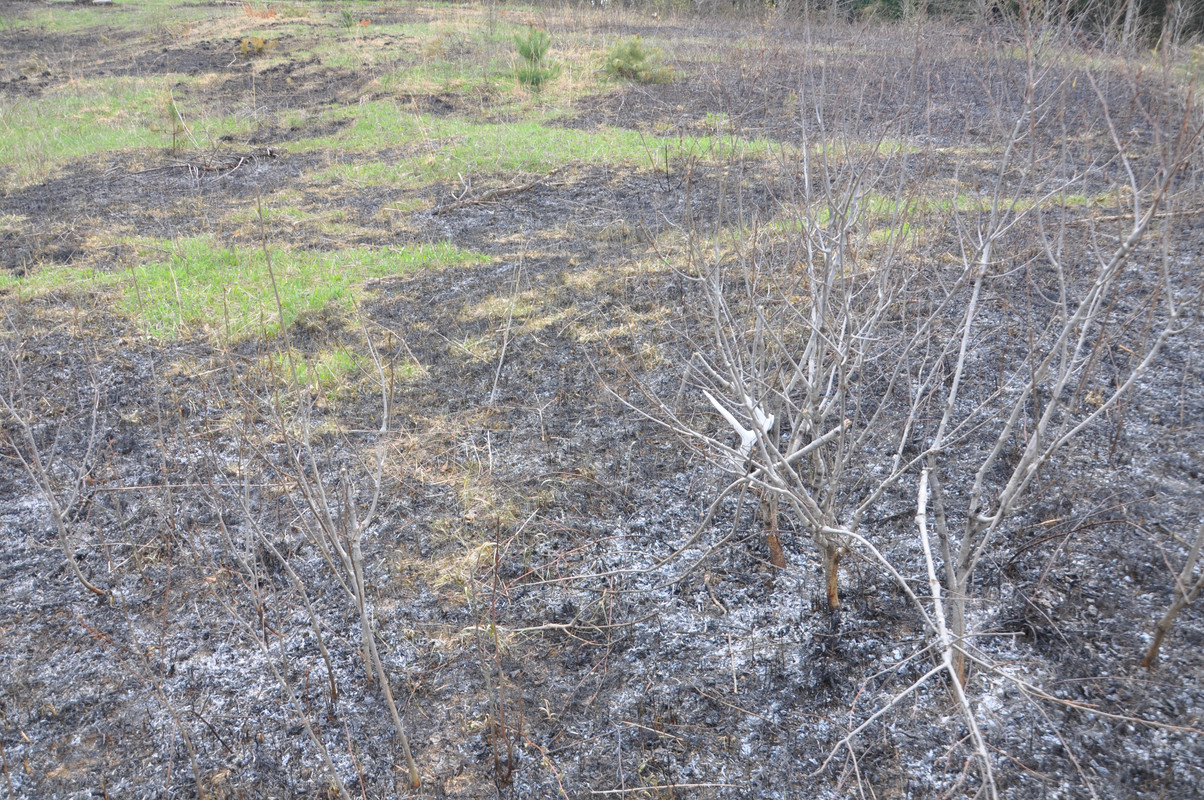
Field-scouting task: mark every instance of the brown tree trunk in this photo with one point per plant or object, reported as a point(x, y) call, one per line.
point(1151, 656)
point(776, 556)
point(831, 554)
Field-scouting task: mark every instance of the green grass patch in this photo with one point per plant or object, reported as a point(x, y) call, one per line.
point(334, 372)
point(230, 293)
point(150, 17)
point(886, 219)
point(96, 116)
point(56, 278)
point(198, 286)
point(451, 148)
point(283, 220)
point(437, 76)
point(326, 369)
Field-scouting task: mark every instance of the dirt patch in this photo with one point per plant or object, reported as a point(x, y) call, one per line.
point(166, 197)
point(292, 84)
point(21, 251)
point(772, 92)
point(270, 134)
point(27, 86)
point(586, 212)
point(438, 104)
point(199, 59)
point(32, 61)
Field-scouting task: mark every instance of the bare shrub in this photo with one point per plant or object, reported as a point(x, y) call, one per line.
point(935, 314)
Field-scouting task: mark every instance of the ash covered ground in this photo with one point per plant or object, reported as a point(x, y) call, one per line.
point(552, 620)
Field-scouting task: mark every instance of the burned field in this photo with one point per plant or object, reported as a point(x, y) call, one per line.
point(353, 392)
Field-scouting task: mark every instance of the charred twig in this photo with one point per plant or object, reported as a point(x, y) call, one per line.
point(670, 786)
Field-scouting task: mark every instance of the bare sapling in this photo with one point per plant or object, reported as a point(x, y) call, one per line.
point(336, 524)
point(792, 312)
point(253, 627)
point(62, 486)
point(1058, 385)
point(240, 582)
point(842, 367)
point(328, 509)
point(334, 508)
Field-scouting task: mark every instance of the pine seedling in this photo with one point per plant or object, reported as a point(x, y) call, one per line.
point(536, 69)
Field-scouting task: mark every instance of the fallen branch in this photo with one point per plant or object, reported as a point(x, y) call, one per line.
point(1186, 212)
point(493, 194)
point(222, 165)
point(634, 789)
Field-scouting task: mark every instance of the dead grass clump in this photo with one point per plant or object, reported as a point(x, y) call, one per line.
point(259, 12)
point(256, 46)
